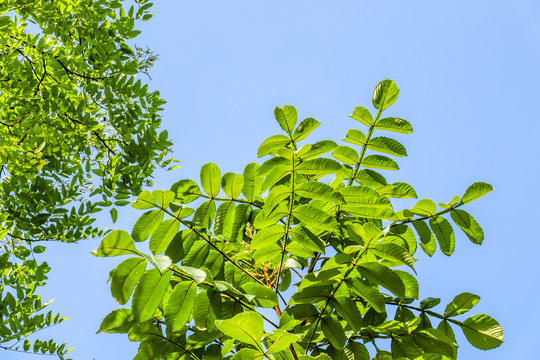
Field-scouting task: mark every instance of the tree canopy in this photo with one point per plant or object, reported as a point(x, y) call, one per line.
point(314, 237)
point(78, 134)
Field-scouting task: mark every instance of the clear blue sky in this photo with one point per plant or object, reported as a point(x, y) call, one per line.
point(469, 78)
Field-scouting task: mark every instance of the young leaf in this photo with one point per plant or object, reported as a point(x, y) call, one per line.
point(424, 207)
point(149, 293)
point(483, 332)
point(179, 305)
point(210, 179)
point(461, 304)
point(385, 94)
point(118, 242)
point(305, 127)
point(286, 118)
point(271, 144)
point(363, 115)
point(394, 124)
point(246, 327)
point(468, 224)
point(475, 191)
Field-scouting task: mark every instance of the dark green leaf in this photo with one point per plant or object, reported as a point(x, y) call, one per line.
point(444, 233)
point(333, 331)
point(468, 224)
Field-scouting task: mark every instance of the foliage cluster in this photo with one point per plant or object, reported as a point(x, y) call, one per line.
point(312, 238)
point(78, 133)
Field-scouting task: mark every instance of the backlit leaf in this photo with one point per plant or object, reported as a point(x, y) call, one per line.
point(333, 331)
point(461, 304)
point(385, 94)
point(394, 124)
point(475, 191)
point(387, 146)
point(246, 327)
point(379, 162)
point(125, 277)
point(210, 179)
point(286, 117)
point(180, 304)
point(444, 233)
point(363, 115)
point(483, 332)
point(468, 224)
point(146, 225)
point(346, 154)
point(314, 217)
point(305, 127)
point(118, 242)
point(271, 144)
point(149, 293)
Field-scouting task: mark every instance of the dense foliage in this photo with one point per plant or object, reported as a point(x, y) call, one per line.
point(316, 240)
point(78, 133)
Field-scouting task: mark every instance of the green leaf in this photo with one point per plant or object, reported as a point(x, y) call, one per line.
point(268, 236)
point(369, 212)
point(346, 155)
point(370, 178)
point(146, 225)
point(160, 262)
point(232, 184)
point(319, 191)
point(429, 302)
point(385, 94)
point(348, 310)
point(252, 182)
point(401, 190)
point(483, 332)
point(333, 331)
point(468, 224)
point(286, 118)
point(210, 179)
point(367, 292)
point(379, 162)
point(433, 341)
point(355, 137)
point(410, 282)
point(125, 277)
point(145, 200)
point(118, 321)
point(305, 127)
point(387, 146)
point(248, 354)
point(264, 296)
point(394, 253)
point(311, 216)
point(149, 293)
point(444, 233)
point(394, 124)
point(363, 115)
point(307, 239)
point(475, 191)
point(246, 327)
point(179, 305)
point(163, 198)
point(319, 167)
point(271, 144)
point(461, 304)
point(424, 207)
point(186, 191)
point(381, 275)
point(208, 309)
point(162, 236)
point(281, 341)
point(118, 242)
point(312, 293)
point(427, 239)
point(276, 174)
point(319, 148)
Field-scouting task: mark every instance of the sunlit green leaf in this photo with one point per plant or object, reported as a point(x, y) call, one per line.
point(468, 224)
point(247, 327)
point(210, 179)
point(385, 94)
point(149, 293)
point(305, 127)
point(118, 242)
point(286, 117)
point(475, 191)
point(461, 304)
point(179, 305)
point(444, 233)
point(146, 225)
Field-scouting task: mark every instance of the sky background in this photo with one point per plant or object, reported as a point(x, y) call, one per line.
point(469, 78)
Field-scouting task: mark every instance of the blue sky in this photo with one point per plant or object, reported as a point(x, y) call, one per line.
point(469, 79)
